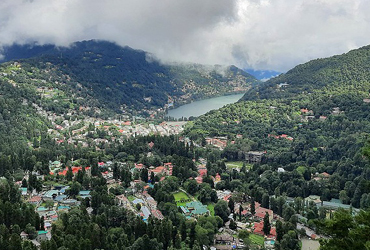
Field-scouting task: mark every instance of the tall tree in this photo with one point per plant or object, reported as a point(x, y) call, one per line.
point(266, 224)
point(253, 206)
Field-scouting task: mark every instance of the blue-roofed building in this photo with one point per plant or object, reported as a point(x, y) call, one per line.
point(60, 198)
point(184, 210)
point(41, 209)
point(50, 194)
point(84, 194)
point(145, 211)
point(196, 208)
point(41, 235)
point(138, 201)
point(23, 191)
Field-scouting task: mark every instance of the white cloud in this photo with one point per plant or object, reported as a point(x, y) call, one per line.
point(262, 34)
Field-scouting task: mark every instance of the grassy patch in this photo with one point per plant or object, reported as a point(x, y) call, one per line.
point(131, 198)
point(236, 164)
point(181, 198)
point(211, 208)
point(257, 239)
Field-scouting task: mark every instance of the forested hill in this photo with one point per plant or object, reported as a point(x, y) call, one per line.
point(317, 123)
point(349, 70)
point(121, 78)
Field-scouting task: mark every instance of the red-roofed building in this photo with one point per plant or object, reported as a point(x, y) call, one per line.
point(157, 214)
point(35, 200)
point(74, 170)
point(199, 179)
point(260, 212)
point(325, 175)
point(258, 229)
point(139, 166)
point(217, 178)
point(227, 197)
point(202, 172)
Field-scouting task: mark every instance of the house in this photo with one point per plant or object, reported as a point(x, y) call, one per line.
point(122, 201)
point(196, 208)
point(281, 170)
point(23, 191)
point(217, 178)
point(50, 194)
point(138, 201)
point(185, 211)
point(199, 179)
point(258, 229)
point(139, 166)
point(84, 194)
point(157, 214)
point(24, 235)
point(35, 200)
point(224, 239)
point(145, 211)
point(254, 156)
point(261, 211)
point(41, 235)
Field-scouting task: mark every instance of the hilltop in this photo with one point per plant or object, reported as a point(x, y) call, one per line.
point(350, 70)
point(122, 79)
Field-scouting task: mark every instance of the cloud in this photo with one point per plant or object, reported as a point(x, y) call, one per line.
point(259, 34)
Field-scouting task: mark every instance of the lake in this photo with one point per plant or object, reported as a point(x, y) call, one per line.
point(198, 108)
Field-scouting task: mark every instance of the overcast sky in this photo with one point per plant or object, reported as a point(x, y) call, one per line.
point(259, 34)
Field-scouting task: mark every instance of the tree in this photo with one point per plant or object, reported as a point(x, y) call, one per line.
point(231, 205)
point(69, 174)
point(222, 210)
point(240, 211)
point(49, 204)
point(191, 186)
point(266, 224)
point(232, 225)
point(279, 230)
point(253, 206)
point(24, 183)
point(144, 175)
point(265, 201)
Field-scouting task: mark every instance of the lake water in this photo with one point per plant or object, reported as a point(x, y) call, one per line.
point(198, 108)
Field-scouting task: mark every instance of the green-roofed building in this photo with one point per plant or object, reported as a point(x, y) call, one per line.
point(196, 208)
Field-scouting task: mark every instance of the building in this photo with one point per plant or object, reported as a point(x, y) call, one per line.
point(254, 156)
point(41, 235)
point(225, 239)
point(196, 208)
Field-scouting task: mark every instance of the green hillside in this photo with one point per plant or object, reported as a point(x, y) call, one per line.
point(341, 72)
point(317, 123)
point(123, 80)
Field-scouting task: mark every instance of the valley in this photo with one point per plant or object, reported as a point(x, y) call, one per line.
point(89, 160)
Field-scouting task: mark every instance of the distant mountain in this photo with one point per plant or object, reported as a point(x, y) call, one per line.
point(121, 78)
point(262, 75)
point(340, 71)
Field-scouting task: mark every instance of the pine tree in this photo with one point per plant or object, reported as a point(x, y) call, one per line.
point(266, 224)
point(253, 206)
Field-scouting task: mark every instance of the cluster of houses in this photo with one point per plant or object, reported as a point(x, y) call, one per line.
point(219, 142)
point(143, 204)
point(49, 204)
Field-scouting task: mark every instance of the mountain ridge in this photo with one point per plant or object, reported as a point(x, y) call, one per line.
point(122, 78)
